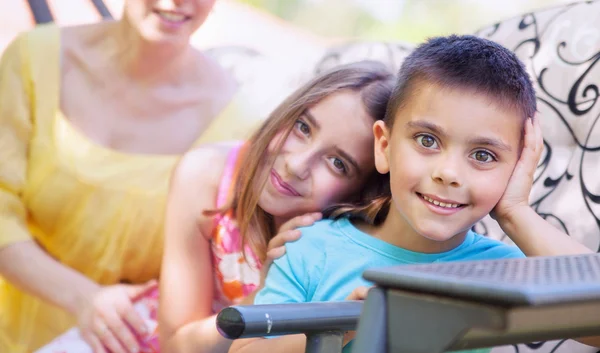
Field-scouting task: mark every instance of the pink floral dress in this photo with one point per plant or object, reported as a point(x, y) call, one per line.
point(235, 276)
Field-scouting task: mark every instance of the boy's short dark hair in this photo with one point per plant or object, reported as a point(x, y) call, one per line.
point(466, 62)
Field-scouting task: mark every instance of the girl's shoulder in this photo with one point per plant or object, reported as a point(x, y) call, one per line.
point(204, 165)
point(195, 182)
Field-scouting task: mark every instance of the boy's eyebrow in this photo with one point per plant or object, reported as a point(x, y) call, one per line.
point(420, 124)
point(492, 142)
point(481, 141)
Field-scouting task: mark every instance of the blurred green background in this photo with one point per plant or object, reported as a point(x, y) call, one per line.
point(403, 20)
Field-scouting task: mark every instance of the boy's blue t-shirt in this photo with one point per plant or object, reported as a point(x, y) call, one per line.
point(327, 262)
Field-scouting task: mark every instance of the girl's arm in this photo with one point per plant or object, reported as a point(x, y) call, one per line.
point(22, 261)
point(288, 344)
point(186, 321)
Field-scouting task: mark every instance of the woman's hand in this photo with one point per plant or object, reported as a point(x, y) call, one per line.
point(108, 321)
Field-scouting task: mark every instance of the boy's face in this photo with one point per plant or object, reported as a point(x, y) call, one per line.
point(450, 155)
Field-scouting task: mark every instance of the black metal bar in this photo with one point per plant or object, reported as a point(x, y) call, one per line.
point(40, 11)
point(246, 321)
point(412, 317)
point(372, 328)
point(534, 324)
point(102, 9)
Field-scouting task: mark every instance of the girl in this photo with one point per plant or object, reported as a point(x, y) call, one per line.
point(453, 145)
point(312, 152)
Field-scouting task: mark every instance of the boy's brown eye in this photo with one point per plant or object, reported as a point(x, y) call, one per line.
point(482, 156)
point(426, 141)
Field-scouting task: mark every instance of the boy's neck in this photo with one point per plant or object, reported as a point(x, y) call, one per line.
point(396, 231)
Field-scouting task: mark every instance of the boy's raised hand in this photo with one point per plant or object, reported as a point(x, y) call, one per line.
point(517, 191)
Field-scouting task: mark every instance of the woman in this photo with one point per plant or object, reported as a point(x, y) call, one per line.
point(93, 119)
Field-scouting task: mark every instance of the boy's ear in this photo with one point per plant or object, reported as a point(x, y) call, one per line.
point(382, 138)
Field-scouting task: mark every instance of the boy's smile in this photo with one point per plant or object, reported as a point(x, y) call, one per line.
point(441, 205)
point(450, 154)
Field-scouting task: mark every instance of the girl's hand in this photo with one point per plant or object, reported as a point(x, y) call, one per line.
point(108, 321)
point(517, 191)
point(289, 232)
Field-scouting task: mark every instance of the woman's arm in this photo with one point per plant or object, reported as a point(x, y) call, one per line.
point(28, 267)
point(22, 261)
point(186, 322)
point(101, 311)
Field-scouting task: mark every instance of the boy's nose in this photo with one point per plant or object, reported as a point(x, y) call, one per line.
point(446, 172)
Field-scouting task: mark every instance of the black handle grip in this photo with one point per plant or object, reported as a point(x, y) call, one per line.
point(244, 321)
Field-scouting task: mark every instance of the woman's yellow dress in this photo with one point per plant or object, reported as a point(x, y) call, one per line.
point(94, 209)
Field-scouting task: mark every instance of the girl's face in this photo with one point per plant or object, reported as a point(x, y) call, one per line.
point(450, 155)
point(325, 159)
point(167, 20)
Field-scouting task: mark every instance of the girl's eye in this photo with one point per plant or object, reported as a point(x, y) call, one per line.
point(339, 165)
point(483, 156)
point(303, 127)
point(427, 141)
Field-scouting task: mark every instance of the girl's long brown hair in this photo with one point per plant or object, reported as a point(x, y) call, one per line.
point(374, 82)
